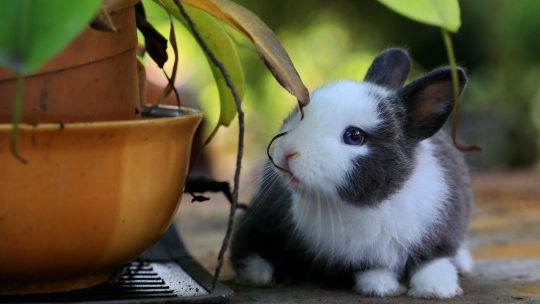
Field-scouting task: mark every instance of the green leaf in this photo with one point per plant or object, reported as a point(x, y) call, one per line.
point(33, 31)
point(443, 13)
point(222, 46)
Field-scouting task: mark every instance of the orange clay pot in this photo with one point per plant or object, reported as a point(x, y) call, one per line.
point(93, 79)
point(91, 198)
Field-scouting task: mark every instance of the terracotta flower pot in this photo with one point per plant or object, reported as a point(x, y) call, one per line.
point(93, 79)
point(92, 197)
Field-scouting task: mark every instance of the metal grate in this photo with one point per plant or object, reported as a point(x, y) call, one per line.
point(139, 281)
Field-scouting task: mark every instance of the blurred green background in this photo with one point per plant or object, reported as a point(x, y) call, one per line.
point(498, 44)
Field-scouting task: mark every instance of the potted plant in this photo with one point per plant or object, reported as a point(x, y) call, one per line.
point(84, 187)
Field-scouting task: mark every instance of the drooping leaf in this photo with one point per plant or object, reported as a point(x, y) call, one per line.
point(267, 44)
point(442, 13)
point(33, 31)
point(223, 47)
point(156, 44)
point(171, 80)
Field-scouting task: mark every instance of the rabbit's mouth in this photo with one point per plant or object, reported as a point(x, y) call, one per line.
point(294, 181)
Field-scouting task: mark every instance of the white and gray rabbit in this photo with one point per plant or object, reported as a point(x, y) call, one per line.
point(377, 196)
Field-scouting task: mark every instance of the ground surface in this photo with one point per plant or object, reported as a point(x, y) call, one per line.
point(504, 236)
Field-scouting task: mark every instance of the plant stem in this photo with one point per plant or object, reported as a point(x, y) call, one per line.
point(455, 111)
point(237, 100)
point(210, 137)
point(16, 116)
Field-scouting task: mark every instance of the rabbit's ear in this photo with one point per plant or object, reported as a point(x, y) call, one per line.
point(429, 100)
point(390, 69)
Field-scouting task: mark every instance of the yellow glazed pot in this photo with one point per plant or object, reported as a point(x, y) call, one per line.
point(92, 197)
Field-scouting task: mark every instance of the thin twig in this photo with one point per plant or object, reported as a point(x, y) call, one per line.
point(237, 100)
point(270, 155)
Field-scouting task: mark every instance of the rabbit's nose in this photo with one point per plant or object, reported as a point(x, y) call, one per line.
point(287, 156)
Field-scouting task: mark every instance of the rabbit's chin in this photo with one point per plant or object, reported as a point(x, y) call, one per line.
point(296, 186)
point(309, 192)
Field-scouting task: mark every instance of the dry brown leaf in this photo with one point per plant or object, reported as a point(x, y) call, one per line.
point(155, 43)
point(266, 42)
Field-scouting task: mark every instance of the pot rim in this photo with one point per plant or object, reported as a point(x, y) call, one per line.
point(187, 113)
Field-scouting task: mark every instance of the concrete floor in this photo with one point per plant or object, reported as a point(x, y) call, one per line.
point(504, 236)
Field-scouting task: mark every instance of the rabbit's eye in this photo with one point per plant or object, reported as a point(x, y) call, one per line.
point(354, 136)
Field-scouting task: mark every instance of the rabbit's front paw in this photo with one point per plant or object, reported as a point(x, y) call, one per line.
point(378, 282)
point(436, 279)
